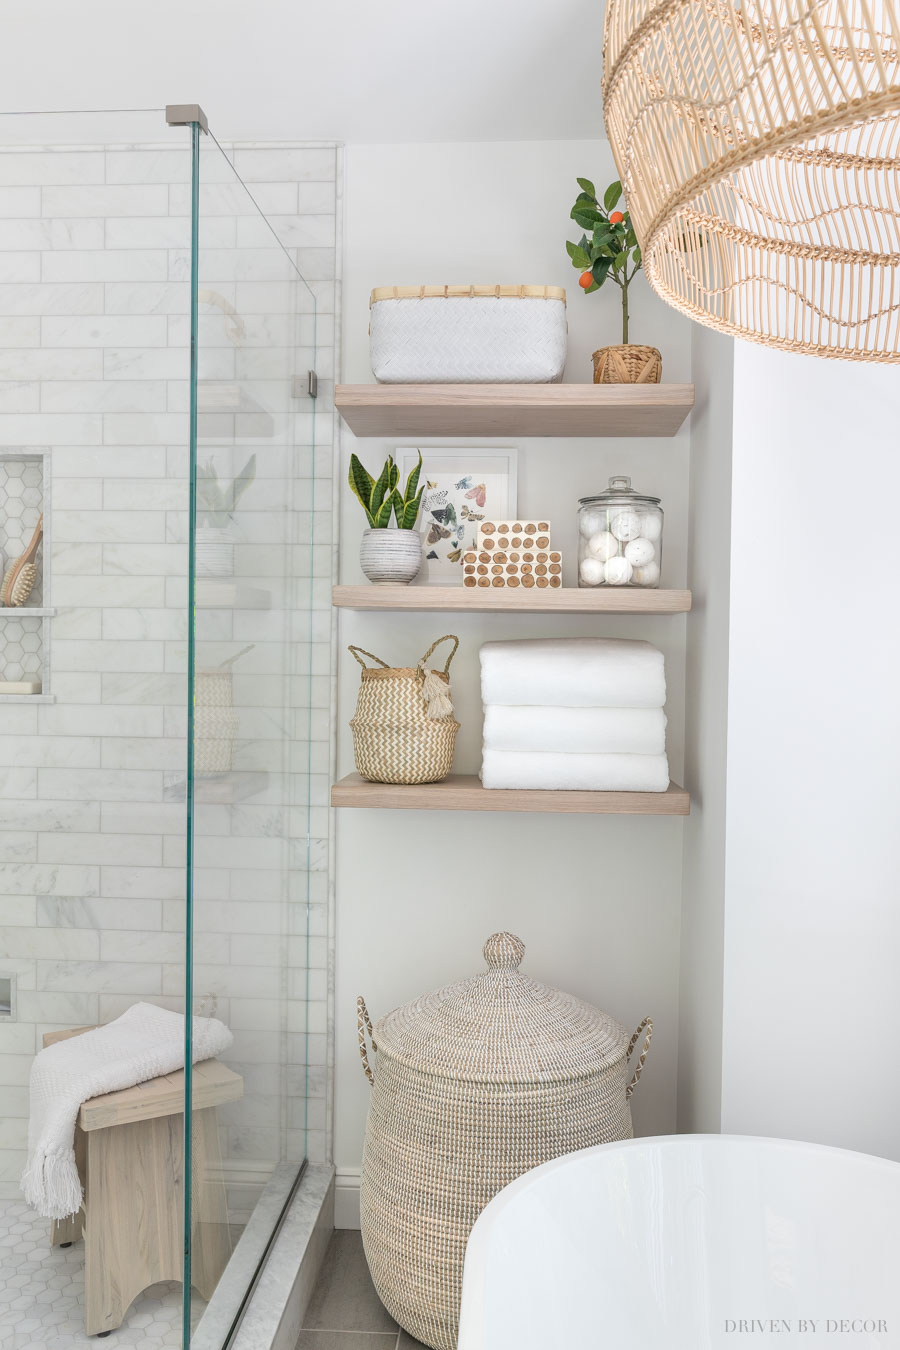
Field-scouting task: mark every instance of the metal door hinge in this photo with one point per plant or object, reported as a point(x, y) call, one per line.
point(308, 388)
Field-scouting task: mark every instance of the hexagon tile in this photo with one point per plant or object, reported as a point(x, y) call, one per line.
point(42, 1288)
point(21, 657)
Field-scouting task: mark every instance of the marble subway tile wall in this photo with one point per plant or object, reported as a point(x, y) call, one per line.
point(94, 265)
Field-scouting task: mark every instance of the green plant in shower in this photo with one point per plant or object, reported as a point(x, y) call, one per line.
point(381, 497)
point(217, 502)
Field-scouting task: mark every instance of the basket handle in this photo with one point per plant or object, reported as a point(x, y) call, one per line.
point(359, 652)
point(448, 637)
point(364, 1024)
point(648, 1023)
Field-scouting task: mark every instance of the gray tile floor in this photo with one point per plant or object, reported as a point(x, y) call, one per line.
point(345, 1312)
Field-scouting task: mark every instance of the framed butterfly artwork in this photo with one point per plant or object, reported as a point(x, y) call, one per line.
point(462, 488)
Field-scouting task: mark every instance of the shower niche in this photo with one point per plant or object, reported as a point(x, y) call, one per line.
point(25, 611)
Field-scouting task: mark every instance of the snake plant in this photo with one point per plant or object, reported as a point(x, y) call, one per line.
point(380, 498)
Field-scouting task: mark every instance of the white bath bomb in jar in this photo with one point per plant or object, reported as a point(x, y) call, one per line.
point(603, 545)
point(647, 575)
point(592, 571)
point(639, 552)
point(591, 522)
point(651, 526)
point(627, 525)
point(619, 572)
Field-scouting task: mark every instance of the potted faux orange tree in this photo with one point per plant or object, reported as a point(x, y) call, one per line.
point(609, 251)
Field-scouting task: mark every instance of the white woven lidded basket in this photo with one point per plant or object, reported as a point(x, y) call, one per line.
point(468, 334)
point(474, 1085)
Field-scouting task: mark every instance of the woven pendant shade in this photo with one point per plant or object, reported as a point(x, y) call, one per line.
point(758, 144)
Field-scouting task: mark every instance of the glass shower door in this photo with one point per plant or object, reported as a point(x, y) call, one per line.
point(250, 663)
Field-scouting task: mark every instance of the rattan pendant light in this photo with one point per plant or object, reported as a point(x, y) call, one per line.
point(758, 143)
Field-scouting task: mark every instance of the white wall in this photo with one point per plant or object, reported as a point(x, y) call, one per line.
point(278, 70)
point(706, 723)
point(597, 900)
point(812, 917)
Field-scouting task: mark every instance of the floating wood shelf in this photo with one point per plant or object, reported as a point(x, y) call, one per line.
point(231, 595)
point(228, 788)
point(514, 409)
point(567, 600)
point(463, 792)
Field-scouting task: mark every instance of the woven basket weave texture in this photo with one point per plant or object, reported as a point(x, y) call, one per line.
point(215, 722)
point(394, 738)
point(474, 1085)
point(628, 363)
point(474, 335)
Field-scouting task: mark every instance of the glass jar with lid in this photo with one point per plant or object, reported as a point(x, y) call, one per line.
point(619, 537)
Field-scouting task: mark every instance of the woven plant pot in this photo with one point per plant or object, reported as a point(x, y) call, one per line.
point(474, 1085)
point(396, 738)
point(628, 364)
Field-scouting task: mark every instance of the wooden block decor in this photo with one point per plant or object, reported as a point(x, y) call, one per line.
point(513, 554)
point(529, 568)
point(513, 534)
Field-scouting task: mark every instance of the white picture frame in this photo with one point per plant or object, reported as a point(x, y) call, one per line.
point(452, 509)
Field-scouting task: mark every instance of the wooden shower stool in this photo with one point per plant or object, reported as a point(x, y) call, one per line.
point(129, 1148)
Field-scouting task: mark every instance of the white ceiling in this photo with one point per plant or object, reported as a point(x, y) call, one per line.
point(352, 70)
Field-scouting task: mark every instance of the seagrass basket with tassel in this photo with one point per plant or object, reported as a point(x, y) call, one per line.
point(473, 1085)
point(404, 730)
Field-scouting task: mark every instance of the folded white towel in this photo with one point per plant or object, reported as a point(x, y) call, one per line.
point(589, 773)
point(144, 1042)
point(591, 731)
point(573, 672)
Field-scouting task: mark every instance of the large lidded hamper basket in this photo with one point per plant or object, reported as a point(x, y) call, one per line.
point(404, 730)
point(468, 334)
point(474, 1085)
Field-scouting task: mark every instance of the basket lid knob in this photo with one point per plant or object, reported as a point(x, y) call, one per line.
point(503, 951)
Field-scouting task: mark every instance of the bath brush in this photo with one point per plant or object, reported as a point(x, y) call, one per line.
point(21, 574)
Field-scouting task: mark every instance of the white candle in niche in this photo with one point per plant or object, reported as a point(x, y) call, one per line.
point(619, 572)
point(648, 575)
point(640, 552)
point(592, 571)
point(604, 545)
point(627, 525)
point(651, 526)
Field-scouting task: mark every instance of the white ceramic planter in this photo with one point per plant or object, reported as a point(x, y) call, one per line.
point(214, 552)
point(391, 556)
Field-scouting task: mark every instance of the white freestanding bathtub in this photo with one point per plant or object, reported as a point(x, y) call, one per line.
point(689, 1242)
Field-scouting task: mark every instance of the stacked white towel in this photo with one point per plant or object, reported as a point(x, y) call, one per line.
point(574, 714)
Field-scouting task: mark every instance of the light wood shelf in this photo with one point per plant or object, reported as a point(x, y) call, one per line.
point(514, 409)
point(213, 594)
point(567, 600)
point(228, 788)
point(463, 792)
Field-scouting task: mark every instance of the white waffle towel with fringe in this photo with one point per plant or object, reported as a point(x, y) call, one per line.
point(143, 1043)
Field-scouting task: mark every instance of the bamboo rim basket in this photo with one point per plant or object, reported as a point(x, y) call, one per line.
point(403, 729)
point(466, 292)
point(757, 142)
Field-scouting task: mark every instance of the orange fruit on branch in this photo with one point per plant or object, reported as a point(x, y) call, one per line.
point(616, 218)
point(585, 280)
